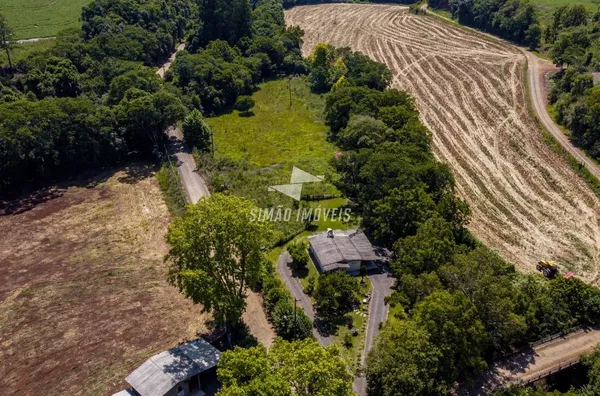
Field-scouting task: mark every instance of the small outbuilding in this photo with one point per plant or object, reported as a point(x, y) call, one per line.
point(343, 250)
point(176, 372)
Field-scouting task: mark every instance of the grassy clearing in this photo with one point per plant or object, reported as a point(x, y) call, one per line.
point(41, 18)
point(275, 133)
point(19, 52)
point(255, 152)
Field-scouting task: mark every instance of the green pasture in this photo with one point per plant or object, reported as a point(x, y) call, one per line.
point(41, 18)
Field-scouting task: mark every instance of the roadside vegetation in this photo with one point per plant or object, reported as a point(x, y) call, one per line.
point(575, 46)
point(170, 185)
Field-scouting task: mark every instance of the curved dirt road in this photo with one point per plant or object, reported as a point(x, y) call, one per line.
point(537, 68)
point(536, 362)
point(526, 201)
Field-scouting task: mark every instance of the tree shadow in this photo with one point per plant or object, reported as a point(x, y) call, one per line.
point(22, 201)
point(298, 272)
point(246, 114)
point(135, 174)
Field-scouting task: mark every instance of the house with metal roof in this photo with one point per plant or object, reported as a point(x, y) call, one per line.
point(342, 250)
point(176, 372)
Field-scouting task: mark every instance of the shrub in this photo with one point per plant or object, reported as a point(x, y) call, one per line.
point(299, 254)
point(244, 104)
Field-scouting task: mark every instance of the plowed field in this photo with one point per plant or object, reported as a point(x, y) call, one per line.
point(526, 201)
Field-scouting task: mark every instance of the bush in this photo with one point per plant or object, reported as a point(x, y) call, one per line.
point(244, 104)
point(348, 340)
point(291, 325)
point(196, 132)
point(299, 254)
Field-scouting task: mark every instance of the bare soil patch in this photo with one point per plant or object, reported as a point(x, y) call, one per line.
point(526, 201)
point(83, 296)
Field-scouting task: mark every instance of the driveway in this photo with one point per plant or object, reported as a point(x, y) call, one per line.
point(378, 312)
point(295, 287)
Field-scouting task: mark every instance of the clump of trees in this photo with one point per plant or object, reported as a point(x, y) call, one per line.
point(340, 67)
point(236, 47)
point(290, 322)
point(299, 367)
point(515, 20)
point(574, 43)
point(335, 295)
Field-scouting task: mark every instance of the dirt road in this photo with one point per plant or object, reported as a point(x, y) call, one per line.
point(538, 361)
point(526, 201)
point(194, 185)
point(167, 65)
point(537, 70)
point(295, 287)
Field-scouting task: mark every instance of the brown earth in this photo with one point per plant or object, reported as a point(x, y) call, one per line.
point(526, 201)
point(83, 296)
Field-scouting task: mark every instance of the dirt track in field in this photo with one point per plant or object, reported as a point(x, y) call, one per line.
point(526, 201)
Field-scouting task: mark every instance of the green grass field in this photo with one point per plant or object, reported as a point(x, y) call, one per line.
point(546, 7)
point(41, 18)
point(275, 133)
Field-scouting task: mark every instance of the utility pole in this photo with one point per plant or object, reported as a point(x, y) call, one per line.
point(295, 321)
point(212, 141)
point(290, 89)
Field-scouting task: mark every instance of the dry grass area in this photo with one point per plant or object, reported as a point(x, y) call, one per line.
point(527, 203)
point(83, 296)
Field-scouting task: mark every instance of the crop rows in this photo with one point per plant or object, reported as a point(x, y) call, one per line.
point(526, 202)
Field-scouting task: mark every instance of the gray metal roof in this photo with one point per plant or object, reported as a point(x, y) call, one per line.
point(345, 246)
point(162, 372)
point(125, 392)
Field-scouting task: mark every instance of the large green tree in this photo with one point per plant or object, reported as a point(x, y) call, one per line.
point(215, 254)
point(455, 329)
point(301, 368)
point(335, 294)
point(196, 131)
point(403, 362)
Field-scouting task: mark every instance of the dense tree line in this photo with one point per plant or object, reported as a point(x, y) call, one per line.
point(235, 48)
point(104, 65)
point(293, 3)
point(574, 40)
point(514, 20)
point(459, 306)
